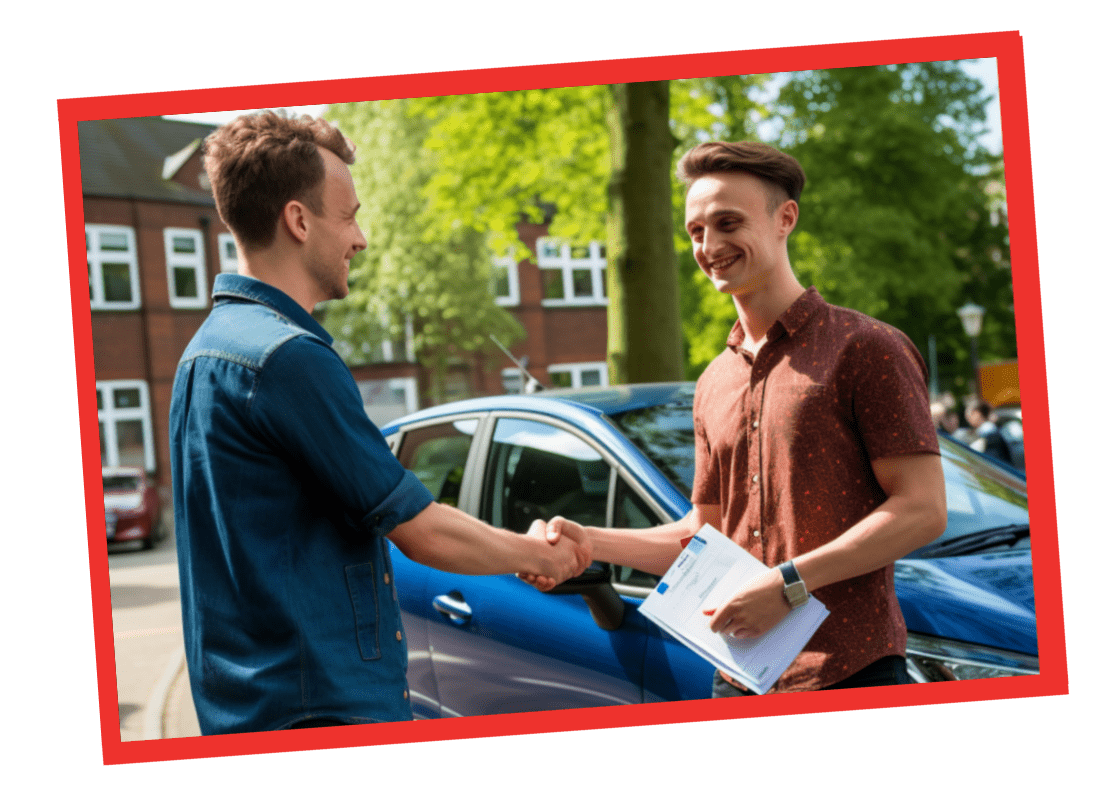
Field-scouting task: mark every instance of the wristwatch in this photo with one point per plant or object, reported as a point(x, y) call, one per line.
point(794, 588)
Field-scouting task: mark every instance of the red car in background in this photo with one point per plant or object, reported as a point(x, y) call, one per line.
point(132, 506)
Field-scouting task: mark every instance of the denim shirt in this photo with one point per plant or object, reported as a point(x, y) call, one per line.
point(284, 492)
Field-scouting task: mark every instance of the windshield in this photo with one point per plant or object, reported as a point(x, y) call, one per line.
point(980, 495)
point(664, 433)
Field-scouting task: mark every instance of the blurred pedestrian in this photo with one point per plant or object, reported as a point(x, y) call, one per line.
point(989, 439)
point(945, 417)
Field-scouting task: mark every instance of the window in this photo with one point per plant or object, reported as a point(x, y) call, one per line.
point(507, 290)
point(388, 400)
point(578, 375)
point(114, 276)
point(124, 421)
point(572, 275)
point(369, 343)
point(227, 253)
point(537, 470)
point(437, 455)
point(186, 269)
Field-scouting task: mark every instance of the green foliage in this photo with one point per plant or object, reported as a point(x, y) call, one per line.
point(902, 215)
point(417, 278)
point(516, 155)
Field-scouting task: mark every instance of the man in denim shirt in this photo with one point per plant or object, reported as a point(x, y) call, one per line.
point(285, 491)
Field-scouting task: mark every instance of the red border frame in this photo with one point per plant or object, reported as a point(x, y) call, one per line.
point(1007, 47)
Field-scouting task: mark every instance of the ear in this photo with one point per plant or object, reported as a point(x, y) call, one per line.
point(293, 219)
point(787, 217)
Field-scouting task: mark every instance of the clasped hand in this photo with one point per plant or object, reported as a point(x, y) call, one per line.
point(570, 548)
point(563, 535)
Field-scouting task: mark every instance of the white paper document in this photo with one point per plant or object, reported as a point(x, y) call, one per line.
point(710, 570)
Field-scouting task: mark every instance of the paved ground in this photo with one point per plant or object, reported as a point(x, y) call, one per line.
point(179, 719)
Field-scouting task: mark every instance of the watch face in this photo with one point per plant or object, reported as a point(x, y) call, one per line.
point(796, 594)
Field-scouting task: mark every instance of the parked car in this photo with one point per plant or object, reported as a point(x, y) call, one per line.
point(133, 509)
point(624, 457)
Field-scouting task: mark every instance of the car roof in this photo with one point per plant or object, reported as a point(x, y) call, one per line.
point(566, 402)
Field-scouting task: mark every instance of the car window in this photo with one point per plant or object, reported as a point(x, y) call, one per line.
point(632, 512)
point(437, 455)
point(536, 470)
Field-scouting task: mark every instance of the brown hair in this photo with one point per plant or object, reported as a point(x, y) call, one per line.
point(782, 173)
point(259, 162)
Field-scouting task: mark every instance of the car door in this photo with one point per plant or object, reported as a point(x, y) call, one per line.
point(492, 644)
point(438, 453)
point(499, 645)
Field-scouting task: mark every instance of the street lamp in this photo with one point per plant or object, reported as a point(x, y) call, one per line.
point(972, 317)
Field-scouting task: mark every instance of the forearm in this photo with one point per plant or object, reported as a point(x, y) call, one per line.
point(450, 540)
point(651, 550)
point(890, 532)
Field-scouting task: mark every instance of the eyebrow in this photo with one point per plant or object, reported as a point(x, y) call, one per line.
point(715, 215)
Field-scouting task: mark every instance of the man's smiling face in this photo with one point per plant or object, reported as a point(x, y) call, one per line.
point(736, 239)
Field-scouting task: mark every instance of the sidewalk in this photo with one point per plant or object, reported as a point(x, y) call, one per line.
point(179, 719)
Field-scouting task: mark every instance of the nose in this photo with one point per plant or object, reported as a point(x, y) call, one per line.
point(361, 243)
point(709, 243)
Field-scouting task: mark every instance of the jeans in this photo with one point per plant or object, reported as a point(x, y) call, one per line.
point(886, 671)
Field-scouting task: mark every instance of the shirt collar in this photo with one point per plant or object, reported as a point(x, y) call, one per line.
point(243, 287)
point(794, 317)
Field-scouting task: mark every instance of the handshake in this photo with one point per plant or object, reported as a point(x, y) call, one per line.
point(568, 552)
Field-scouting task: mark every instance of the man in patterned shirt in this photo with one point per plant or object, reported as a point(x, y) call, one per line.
point(815, 449)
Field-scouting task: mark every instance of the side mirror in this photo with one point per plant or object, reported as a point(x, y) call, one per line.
point(594, 585)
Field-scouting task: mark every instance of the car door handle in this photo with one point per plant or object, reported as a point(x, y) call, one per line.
point(453, 608)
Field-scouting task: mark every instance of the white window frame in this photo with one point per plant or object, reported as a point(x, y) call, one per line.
point(577, 379)
point(596, 262)
point(108, 415)
point(509, 263)
point(180, 260)
point(226, 262)
point(411, 394)
point(95, 257)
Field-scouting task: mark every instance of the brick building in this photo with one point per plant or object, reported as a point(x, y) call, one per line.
point(155, 243)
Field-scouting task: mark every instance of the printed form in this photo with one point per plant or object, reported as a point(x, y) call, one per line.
point(709, 571)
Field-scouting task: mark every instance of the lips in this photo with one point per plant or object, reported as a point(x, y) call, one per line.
point(722, 264)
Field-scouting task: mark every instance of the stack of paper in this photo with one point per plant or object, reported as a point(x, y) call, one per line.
point(709, 571)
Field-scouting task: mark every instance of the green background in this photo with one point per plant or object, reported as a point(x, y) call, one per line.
point(1030, 745)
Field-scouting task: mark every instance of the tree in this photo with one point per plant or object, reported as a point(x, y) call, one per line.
point(902, 215)
point(417, 278)
point(598, 156)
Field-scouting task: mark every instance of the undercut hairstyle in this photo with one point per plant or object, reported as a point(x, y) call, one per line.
point(259, 162)
point(782, 174)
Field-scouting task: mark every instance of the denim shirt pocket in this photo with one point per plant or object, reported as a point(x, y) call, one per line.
point(361, 579)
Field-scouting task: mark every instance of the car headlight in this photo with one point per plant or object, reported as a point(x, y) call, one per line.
point(936, 659)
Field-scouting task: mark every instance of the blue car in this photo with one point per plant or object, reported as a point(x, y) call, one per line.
point(623, 457)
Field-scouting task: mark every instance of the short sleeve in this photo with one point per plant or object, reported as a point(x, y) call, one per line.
point(890, 399)
point(705, 484)
point(307, 404)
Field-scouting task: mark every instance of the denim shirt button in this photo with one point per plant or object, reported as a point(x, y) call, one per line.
point(386, 578)
point(398, 637)
point(406, 693)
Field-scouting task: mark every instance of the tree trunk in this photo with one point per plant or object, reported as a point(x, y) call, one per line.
point(644, 341)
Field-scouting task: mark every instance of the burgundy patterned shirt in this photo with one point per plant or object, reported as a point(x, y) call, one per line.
point(784, 445)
